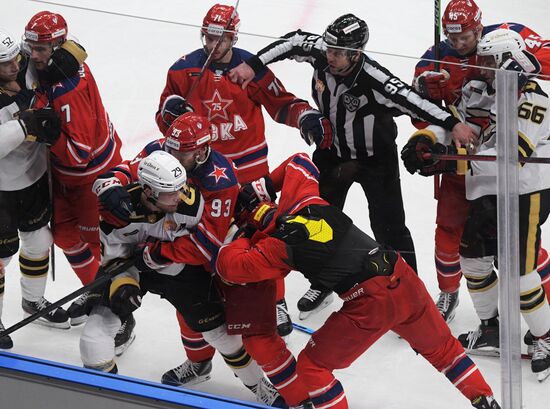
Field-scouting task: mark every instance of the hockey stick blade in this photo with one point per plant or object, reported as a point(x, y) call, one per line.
point(481, 158)
point(302, 328)
point(108, 272)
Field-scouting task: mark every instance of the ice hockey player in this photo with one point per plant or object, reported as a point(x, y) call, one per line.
point(380, 292)
point(25, 208)
point(361, 98)
point(462, 25)
point(213, 175)
point(236, 114)
point(498, 49)
point(88, 146)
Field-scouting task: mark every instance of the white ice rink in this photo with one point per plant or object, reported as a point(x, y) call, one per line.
point(130, 58)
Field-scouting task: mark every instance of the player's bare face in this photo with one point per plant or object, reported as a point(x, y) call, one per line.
point(223, 52)
point(187, 159)
point(9, 70)
point(489, 65)
point(168, 201)
point(464, 43)
point(339, 62)
point(40, 54)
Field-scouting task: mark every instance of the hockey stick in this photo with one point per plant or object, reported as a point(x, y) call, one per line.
point(211, 55)
point(50, 190)
point(302, 328)
point(104, 275)
point(480, 158)
point(437, 36)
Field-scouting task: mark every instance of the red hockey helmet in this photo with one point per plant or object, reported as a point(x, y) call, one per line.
point(460, 16)
point(217, 20)
point(45, 27)
point(188, 132)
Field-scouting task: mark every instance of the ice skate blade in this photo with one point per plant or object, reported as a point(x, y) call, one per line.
point(122, 348)
point(194, 381)
point(483, 352)
point(78, 320)
point(326, 302)
point(45, 323)
point(541, 376)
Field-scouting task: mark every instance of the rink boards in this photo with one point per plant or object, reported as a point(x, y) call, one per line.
point(27, 382)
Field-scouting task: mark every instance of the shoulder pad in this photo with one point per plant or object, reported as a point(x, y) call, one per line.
point(533, 87)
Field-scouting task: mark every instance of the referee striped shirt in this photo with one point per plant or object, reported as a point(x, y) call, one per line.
point(361, 105)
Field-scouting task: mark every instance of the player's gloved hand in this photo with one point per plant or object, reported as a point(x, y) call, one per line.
point(41, 125)
point(250, 194)
point(432, 84)
point(124, 295)
point(174, 106)
point(524, 63)
point(115, 204)
point(315, 128)
point(262, 215)
point(148, 257)
point(65, 61)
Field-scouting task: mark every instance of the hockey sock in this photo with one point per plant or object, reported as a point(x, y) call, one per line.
point(196, 348)
point(34, 274)
point(83, 262)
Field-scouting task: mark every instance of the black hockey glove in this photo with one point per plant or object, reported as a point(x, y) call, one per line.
point(124, 296)
point(149, 259)
point(174, 106)
point(41, 125)
point(315, 128)
point(416, 155)
point(525, 63)
point(115, 203)
point(251, 194)
point(290, 231)
point(65, 61)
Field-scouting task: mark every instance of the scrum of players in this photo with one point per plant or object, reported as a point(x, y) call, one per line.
point(207, 225)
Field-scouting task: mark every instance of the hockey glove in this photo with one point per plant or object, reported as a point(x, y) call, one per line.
point(115, 204)
point(432, 84)
point(525, 63)
point(65, 61)
point(250, 194)
point(262, 215)
point(149, 259)
point(174, 106)
point(124, 296)
point(315, 128)
point(41, 125)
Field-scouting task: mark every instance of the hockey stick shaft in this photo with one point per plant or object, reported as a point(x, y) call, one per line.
point(437, 36)
point(211, 54)
point(50, 191)
point(480, 158)
point(110, 271)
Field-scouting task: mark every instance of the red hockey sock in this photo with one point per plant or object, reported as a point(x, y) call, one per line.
point(196, 348)
point(83, 262)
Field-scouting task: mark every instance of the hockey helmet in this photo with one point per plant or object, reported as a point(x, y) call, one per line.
point(221, 18)
point(9, 48)
point(188, 132)
point(162, 173)
point(46, 27)
point(347, 31)
point(499, 44)
point(460, 16)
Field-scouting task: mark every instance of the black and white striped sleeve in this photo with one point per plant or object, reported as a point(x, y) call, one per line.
point(296, 45)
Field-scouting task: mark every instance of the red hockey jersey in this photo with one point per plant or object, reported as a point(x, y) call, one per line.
point(89, 144)
point(217, 181)
point(239, 130)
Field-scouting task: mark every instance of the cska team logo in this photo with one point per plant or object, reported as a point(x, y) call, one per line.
point(218, 173)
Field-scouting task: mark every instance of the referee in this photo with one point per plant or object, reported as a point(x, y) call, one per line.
point(360, 98)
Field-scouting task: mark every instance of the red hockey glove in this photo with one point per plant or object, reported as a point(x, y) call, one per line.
point(262, 215)
point(250, 194)
point(315, 128)
point(432, 84)
point(174, 106)
point(124, 296)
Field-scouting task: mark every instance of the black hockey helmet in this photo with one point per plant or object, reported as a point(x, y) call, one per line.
point(347, 31)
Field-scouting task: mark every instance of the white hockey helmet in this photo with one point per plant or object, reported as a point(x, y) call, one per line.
point(9, 47)
point(500, 44)
point(162, 173)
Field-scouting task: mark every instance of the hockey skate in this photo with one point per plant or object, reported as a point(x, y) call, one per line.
point(78, 309)
point(528, 340)
point(485, 402)
point(483, 341)
point(307, 404)
point(125, 335)
point(540, 363)
point(284, 323)
point(6, 341)
point(267, 394)
point(57, 318)
point(446, 304)
point(187, 374)
point(313, 301)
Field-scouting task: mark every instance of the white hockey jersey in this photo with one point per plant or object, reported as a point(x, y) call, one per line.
point(21, 162)
point(123, 242)
point(478, 108)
